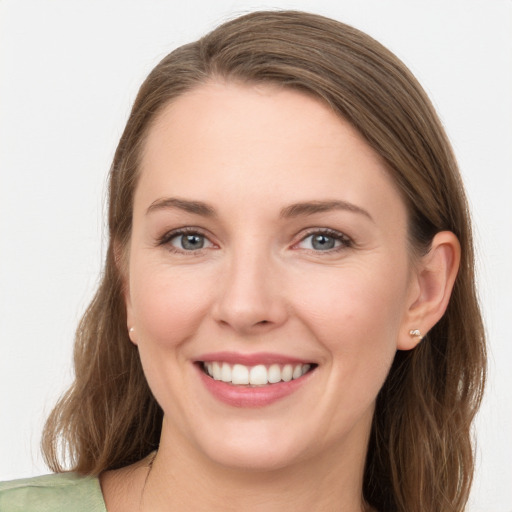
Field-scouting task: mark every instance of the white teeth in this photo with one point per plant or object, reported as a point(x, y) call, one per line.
point(240, 374)
point(287, 373)
point(216, 371)
point(225, 374)
point(258, 375)
point(274, 374)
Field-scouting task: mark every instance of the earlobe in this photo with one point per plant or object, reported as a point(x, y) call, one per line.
point(131, 334)
point(131, 330)
point(129, 315)
point(435, 275)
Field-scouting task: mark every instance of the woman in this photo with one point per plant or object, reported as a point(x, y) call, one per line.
point(287, 316)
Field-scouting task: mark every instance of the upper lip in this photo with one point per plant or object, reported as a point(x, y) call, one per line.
point(251, 359)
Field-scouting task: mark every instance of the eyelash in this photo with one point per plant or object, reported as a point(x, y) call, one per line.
point(169, 236)
point(344, 240)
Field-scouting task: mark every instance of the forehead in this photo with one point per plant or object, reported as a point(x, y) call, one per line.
point(263, 140)
point(223, 114)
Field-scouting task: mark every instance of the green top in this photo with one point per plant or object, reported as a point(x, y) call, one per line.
point(61, 492)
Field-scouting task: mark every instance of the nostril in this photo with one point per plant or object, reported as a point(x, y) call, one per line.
point(262, 323)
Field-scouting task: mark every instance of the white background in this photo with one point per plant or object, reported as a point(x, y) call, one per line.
point(69, 71)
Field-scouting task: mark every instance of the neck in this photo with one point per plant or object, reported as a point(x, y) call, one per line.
point(180, 479)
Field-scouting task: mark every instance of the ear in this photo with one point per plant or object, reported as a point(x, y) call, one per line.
point(431, 288)
point(122, 261)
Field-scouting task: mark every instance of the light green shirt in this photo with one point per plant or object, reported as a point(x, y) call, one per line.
point(61, 492)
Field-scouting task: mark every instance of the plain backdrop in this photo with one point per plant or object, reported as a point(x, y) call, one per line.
point(69, 71)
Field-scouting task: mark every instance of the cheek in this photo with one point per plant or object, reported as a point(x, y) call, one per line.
point(355, 303)
point(356, 318)
point(167, 304)
point(356, 315)
point(167, 307)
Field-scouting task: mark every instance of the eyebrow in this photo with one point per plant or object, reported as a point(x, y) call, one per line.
point(294, 210)
point(196, 207)
point(312, 207)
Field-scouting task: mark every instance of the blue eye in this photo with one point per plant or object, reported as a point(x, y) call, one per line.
point(189, 241)
point(324, 241)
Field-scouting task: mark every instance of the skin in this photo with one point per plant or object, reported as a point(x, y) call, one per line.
point(259, 285)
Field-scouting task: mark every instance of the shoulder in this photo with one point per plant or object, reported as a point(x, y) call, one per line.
point(52, 493)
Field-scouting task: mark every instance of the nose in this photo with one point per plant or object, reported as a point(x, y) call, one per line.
point(251, 299)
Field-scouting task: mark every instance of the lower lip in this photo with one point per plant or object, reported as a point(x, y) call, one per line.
point(246, 396)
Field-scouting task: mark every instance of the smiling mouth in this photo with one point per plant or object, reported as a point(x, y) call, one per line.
point(258, 375)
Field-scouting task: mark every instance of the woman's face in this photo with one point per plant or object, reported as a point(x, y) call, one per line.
point(269, 243)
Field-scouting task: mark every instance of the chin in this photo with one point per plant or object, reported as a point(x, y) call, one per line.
point(261, 445)
point(255, 456)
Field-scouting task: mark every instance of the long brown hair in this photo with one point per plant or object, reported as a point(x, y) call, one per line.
point(420, 454)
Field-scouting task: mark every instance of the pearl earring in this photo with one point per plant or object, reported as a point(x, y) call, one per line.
point(416, 333)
